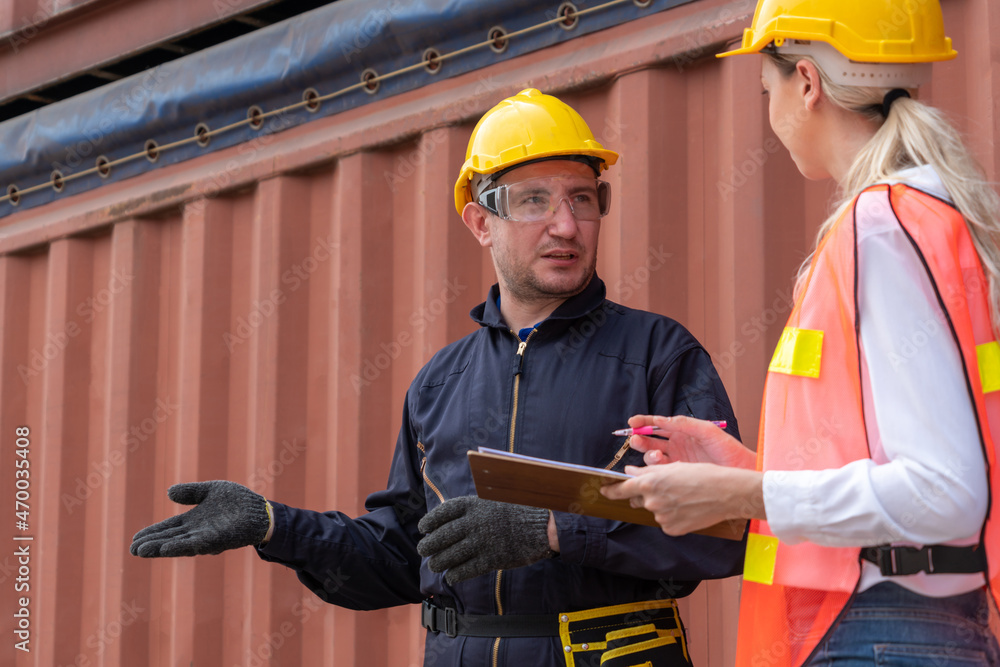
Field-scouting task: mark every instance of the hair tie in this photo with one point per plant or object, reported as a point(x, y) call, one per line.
point(891, 97)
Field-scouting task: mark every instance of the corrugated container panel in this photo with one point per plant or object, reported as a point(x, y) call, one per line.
point(257, 314)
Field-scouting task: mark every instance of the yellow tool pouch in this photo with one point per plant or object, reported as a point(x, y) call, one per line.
point(625, 635)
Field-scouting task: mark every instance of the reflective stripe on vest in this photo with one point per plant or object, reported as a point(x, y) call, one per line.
point(812, 418)
point(799, 352)
point(762, 553)
point(988, 356)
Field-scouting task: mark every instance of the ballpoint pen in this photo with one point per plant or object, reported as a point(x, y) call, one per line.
point(648, 431)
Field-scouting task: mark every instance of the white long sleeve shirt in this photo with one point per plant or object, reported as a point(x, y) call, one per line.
point(926, 481)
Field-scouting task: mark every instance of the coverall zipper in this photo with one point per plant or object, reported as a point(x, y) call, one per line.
point(619, 455)
point(517, 384)
point(521, 345)
point(423, 472)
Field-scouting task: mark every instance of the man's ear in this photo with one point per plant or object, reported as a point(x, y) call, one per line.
point(474, 217)
point(811, 84)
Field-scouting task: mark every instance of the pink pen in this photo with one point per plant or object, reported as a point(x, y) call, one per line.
point(648, 430)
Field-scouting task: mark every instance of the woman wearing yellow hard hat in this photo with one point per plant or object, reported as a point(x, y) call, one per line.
point(874, 535)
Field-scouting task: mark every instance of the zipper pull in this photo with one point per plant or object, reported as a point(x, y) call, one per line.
point(520, 356)
point(619, 455)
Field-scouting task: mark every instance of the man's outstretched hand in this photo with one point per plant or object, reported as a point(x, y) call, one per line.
point(226, 516)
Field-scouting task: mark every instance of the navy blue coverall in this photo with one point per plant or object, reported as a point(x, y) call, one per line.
point(580, 375)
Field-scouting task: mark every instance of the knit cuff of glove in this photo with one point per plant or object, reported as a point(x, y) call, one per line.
point(536, 521)
point(270, 523)
point(258, 519)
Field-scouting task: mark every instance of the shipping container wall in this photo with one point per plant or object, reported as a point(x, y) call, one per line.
point(44, 42)
point(256, 314)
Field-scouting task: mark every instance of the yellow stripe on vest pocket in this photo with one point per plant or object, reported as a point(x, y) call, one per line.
point(988, 355)
point(762, 552)
point(799, 352)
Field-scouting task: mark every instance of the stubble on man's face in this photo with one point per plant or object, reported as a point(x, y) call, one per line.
point(524, 252)
point(523, 283)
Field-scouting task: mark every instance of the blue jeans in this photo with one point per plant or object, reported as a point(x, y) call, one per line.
point(890, 625)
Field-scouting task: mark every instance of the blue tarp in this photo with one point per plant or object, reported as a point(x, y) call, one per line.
point(326, 49)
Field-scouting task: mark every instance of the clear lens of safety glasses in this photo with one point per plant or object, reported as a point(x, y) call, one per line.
point(537, 199)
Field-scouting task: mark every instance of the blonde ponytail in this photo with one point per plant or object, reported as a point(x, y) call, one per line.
point(916, 134)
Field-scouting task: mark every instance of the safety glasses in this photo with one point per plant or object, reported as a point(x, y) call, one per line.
point(537, 199)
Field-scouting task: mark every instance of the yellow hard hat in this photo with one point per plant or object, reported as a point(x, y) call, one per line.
point(869, 31)
point(526, 127)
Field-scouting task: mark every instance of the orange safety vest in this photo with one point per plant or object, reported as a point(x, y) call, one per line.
point(812, 419)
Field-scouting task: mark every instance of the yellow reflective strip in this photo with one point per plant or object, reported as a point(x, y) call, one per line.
point(598, 612)
point(988, 355)
point(799, 352)
point(637, 648)
point(762, 550)
point(631, 632)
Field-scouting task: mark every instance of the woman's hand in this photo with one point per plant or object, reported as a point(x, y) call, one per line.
point(685, 497)
point(690, 441)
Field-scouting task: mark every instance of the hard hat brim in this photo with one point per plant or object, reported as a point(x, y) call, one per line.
point(758, 45)
point(739, 52)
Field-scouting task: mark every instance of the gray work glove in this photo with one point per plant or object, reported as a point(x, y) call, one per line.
point(227, 516)
point(469, 536)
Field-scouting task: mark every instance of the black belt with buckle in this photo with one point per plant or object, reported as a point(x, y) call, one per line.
point(933, 559)
point(450, 622)
point(591, 629)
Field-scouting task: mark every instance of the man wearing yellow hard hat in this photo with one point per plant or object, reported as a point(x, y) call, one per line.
point(875, 538)
point(554, 368)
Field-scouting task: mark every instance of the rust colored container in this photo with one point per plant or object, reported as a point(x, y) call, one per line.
point(257, 313)
point(46, 41)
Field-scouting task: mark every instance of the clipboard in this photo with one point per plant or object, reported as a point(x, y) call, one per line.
point(565, 487)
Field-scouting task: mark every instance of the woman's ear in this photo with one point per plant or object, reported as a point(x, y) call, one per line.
point(811, 84)
point(474, 217)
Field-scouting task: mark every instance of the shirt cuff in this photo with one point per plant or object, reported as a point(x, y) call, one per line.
point(275, 548)
point(789, 504)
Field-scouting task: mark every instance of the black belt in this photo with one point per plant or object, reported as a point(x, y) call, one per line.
point(933, 559)
point(450, 622)
point(587, 626)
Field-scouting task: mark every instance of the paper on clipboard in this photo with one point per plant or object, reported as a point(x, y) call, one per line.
point(564, 487)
